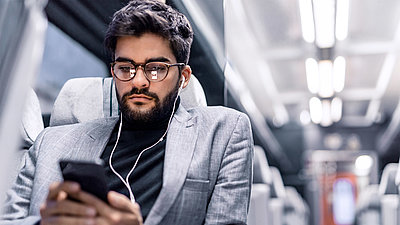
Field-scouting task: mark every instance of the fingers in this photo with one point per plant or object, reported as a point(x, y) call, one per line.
point(121, 202)
point(57, 188)
point(60, 220)
point(90, 199)
point(122, 218)
point(58, 208)
point(66, 207)
point(120, 211)
point(128, 211)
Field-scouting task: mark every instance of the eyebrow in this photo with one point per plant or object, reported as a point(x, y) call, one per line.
point(156, 59)
point(123, 59)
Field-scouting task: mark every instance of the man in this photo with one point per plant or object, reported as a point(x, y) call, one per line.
point(164, 164)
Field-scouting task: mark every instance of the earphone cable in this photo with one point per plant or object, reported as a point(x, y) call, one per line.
point(126, 181)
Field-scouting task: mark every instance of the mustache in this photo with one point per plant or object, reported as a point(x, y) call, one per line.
point(143, 91)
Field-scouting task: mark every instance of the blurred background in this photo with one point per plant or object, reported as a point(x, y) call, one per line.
point(319, 80)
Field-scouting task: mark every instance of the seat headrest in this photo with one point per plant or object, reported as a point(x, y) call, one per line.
point(193, 94)
point(278, 188)
point(397, 180)
point(388, 184)
point(85, 99)
point(32, 121)
point(261, 170)
point(368, 199)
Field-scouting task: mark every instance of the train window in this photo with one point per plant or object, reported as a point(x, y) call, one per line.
point(63, 59)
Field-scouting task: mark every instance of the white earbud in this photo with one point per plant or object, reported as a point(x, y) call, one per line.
point(183, 81)
point(180, 88)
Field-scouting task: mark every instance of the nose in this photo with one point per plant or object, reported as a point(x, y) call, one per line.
point(140, 80)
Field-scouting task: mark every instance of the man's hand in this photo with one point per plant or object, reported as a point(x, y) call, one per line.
point(58, 209)
point(121, 210)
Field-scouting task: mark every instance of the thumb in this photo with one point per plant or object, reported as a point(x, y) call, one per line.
point(120, 201)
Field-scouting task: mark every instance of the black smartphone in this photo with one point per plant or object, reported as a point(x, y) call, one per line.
point(89, 175)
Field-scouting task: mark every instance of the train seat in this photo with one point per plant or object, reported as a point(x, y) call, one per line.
point(85, 99)
point(368, 206)
point(31, 126)
point(271, 202)
point(287, 206)
point(261, 189)
point(278, 195)
point(296, 209)
point(389, 195)
point(378, 204)
point(32, 121)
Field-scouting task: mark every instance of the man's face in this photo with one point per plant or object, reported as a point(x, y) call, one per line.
point(140, 99)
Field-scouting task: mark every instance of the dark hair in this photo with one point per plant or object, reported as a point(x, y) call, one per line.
point(142, 16)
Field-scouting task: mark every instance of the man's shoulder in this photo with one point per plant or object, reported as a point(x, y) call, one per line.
point(215, 109)
point(83, 127)
point(217, 113)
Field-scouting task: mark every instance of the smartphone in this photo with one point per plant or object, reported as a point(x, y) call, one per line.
point(89, 175)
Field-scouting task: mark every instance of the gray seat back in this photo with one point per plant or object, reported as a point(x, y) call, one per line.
point(32, 121)
point(389, 195)
point(388, 183)
point(261, 170)
point(31, 126)
point(261, 189)
point(85, 99)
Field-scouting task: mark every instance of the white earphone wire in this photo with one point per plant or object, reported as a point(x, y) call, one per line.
point(126, 180)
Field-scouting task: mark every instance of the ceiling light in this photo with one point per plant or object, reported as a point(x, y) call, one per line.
point(307, 20)
point(315, 110)
point(324, 14)
point(312, 75)
point(339, 72)
point(326, 119)
point(325, 79)
point(336, 109)
point(342, 19)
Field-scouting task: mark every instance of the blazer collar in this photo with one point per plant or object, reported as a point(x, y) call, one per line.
point(99, 134)
point(181, 141)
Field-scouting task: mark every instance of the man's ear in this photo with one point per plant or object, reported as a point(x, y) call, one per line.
point(186, 72)
point(111, 72)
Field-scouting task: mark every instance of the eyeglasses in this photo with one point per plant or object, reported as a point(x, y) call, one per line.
point(153, 71)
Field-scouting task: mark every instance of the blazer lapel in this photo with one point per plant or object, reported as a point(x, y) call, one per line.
point(91, 148)
point(181, 140)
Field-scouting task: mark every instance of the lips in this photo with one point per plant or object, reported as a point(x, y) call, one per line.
point(140, 96)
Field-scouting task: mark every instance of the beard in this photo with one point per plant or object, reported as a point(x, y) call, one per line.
point(161, 110)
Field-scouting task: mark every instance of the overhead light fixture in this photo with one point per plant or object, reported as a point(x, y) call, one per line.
point(336, 109)
point(307, 20)
point(312, 75)
point(342, 19)
point(324, 15)
point(325, 89)
point(339, 72)
point(315, 110)
point(319, 77)
point(324, 111)
point(326, 119)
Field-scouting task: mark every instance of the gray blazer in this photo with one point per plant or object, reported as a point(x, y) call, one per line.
point(207, 168)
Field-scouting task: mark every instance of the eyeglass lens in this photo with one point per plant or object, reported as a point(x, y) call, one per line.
point(154, 71)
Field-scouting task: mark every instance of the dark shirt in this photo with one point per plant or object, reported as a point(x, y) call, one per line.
point(146, 179)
